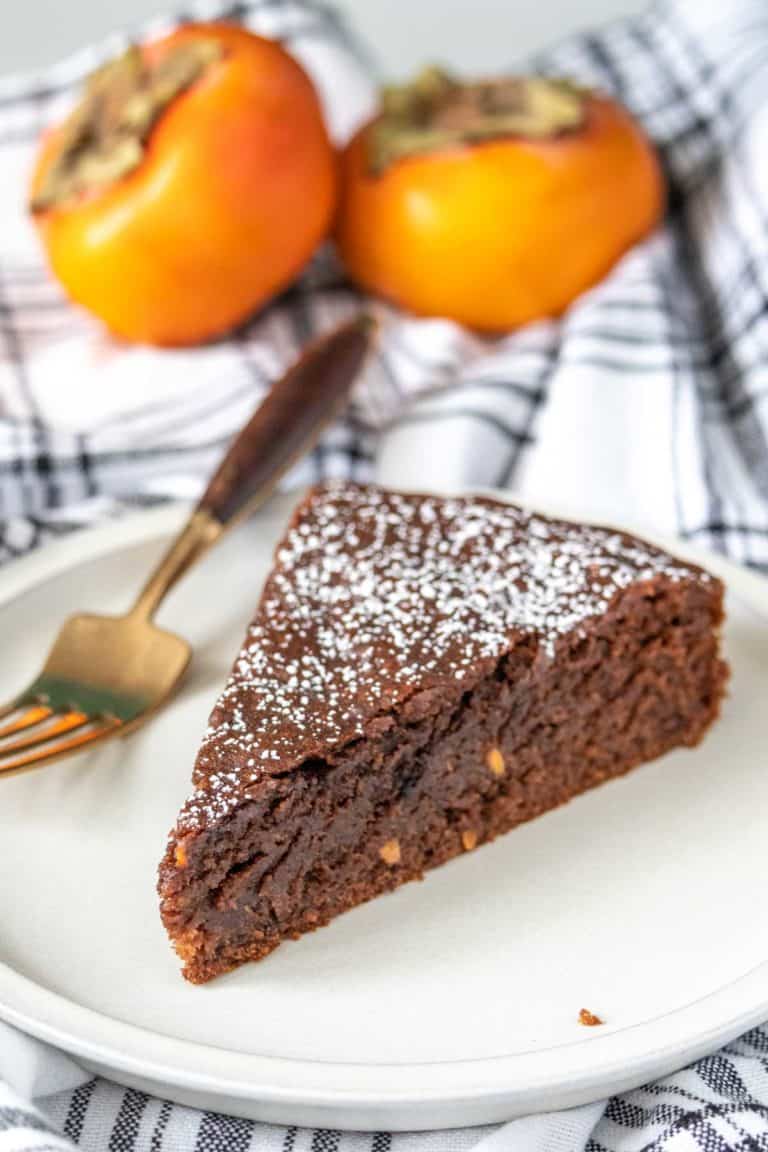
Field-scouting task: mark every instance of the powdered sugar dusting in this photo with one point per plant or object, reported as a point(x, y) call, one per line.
point(375, 595)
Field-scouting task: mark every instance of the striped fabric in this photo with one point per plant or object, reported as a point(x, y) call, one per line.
point(647, 402)
point(720, 1104)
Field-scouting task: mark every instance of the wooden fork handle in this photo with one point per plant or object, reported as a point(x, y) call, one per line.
point(288, 422)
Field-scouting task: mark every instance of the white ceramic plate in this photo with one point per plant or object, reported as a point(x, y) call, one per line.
point(451, 1002)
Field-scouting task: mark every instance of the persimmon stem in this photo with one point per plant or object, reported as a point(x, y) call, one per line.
point(104, 138)
point(437, 111)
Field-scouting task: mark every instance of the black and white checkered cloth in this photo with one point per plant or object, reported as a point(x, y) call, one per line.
point(646, 403)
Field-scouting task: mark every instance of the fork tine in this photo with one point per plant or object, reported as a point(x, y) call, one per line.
point(45, 750)
point(58, 726)
point(29, 715)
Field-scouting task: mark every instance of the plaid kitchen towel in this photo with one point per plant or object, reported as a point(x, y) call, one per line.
point(646, 402)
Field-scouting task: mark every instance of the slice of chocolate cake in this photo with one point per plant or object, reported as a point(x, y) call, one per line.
point(421, 675)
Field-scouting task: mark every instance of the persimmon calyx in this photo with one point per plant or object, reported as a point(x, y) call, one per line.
point(105, 136)
point(437, 111)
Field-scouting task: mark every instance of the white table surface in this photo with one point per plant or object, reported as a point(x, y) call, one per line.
point(471, 34)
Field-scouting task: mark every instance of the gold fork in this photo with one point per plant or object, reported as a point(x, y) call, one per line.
point(106, 675)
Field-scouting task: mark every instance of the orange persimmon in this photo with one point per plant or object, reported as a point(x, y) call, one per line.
point(191, 184)
point(494, 203)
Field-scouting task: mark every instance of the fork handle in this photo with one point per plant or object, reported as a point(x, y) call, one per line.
point(286, 424)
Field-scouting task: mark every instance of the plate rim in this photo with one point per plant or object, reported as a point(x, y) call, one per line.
point(580, 1069)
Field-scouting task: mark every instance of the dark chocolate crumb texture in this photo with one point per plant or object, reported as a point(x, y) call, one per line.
point(421, 675)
